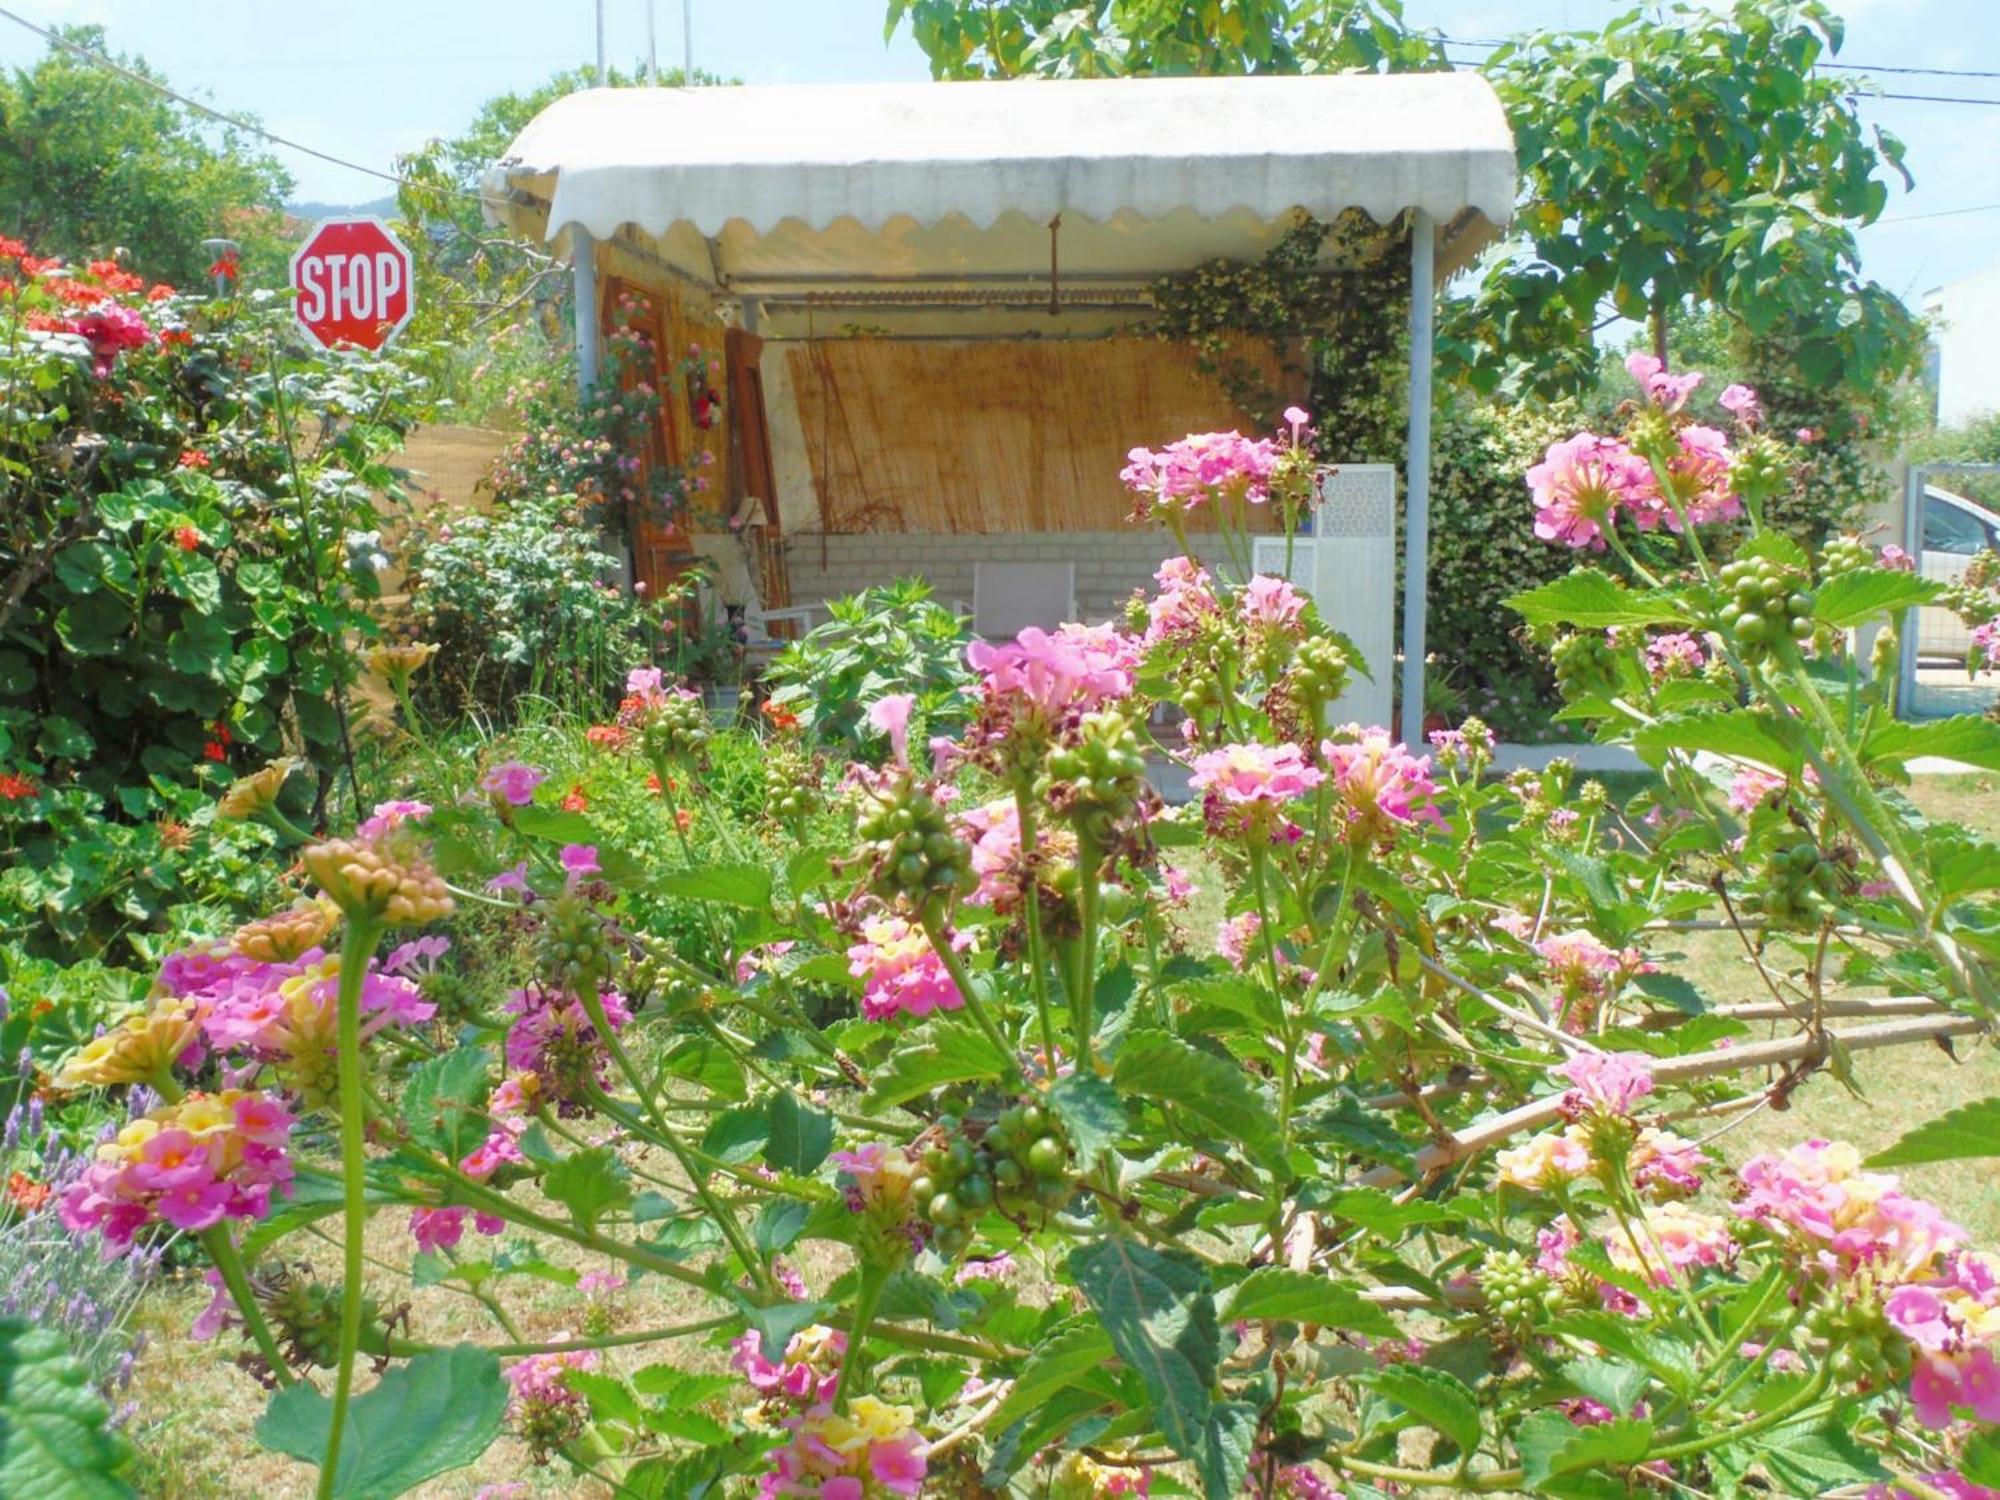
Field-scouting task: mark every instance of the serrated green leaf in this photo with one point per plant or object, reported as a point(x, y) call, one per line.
point(1814, 1458)
point(590, 1183)
point(441, 1101)
point(53, 1441)
point(1971, 1130)
point(941, 1052)
point(1615, 1383)
point(1091, 1114)
point(1594, 600)
point(438, 1412)
point(1159, 1314)
point(1437, 1398)
point(729, 885)
point(1054, 1365)
point(779, 1224)
point(800, 1136)
point(1860, 596)
point(1280, 1294)
point(1224, 1459)
point(1202, 1088)
point(1968, 738)
point(1741, 734)
point(610, 1400)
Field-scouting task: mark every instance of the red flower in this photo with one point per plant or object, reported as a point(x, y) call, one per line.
point(575, 800)
point(104, 268)
point(159, 292)
point(176, 335)
point(227, 267)
point(77, 293)
point(684, 819)
point(11, 249)
point(34, 265)
point(781, 717)
point(653, 783)
point(15, 788)
point(214, 750)
point(606, 736)
point(193, 458)
point(187, 539)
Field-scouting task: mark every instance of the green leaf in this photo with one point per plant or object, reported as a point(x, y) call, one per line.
point(779, 1224)
point(1435, 1397)
point(440, 1102)
point(1203, 1088)
point(1968, 738)
point(1610, 1382)
point(1592, 599)
point(1860, 596)
point(1741, 734)
point(941, 1052)
point(731, 885)
point(1160, 1316)
point(1279, 1294)
point(1377, 1210)
point(736, 1135)
point(589, 1183)
point(1054, 1365)
point(1556, 1454)
point(610, 1400)
point(1815, 1458)
point(1671, 990)
point(85, 567)
point(53, 1442)
point(1971, 1130)
point(438, 1412)
point(1979, 1460)
point(1092, 1116)
point(800, 1136)
point(1224, 1459)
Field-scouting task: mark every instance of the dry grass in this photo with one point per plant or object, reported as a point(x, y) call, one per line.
point(196, 1410)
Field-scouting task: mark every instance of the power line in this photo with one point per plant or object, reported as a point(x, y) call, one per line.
point(1835, 67)
point(1855, 94)
point(1942, 213)
point(98, 59)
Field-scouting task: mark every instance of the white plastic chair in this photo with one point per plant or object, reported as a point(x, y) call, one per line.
point(1008, 597)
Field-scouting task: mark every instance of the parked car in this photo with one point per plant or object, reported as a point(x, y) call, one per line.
point(1955, 530)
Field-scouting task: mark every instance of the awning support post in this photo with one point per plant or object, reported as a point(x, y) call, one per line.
point(583, 257)
point(1417, 473)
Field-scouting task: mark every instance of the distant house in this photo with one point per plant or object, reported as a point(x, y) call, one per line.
point(1965, 344)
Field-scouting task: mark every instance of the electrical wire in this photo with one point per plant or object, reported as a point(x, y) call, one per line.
point(235, 122)
point(1836, 67)
point(1942, 213)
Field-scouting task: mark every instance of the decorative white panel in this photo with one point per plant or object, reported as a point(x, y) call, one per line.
point(1349, 567)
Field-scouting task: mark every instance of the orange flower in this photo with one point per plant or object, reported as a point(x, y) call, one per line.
point(653, 783)
point(187, 539)
point(193, 458)
point(575, 800)
point(684, 819)
point(781, 717)
point(159, 292)
point(606, 736)
point(25, 1193)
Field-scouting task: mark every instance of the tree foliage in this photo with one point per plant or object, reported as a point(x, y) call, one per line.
point(91, 163)
point(1691, 160)
point(1120, 38)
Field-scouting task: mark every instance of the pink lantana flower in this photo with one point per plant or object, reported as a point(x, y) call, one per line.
point(390, 815)
point(1272, 604)
point(1243, 775)
point(1581, 484)
point(1740, 401)
point(901, 973)
point(890, 715)
point(1384, 789)
point(513, 782)
point(1661, 388)
point(1609, 1083)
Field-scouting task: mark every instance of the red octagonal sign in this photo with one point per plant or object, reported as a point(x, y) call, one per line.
point(352, 280)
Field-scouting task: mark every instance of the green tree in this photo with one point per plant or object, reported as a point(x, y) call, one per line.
point(92, 162)
point(490, 305)
point(1680, 162)
point(1117, 38)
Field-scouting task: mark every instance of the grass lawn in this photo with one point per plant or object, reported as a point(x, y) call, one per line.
point(196, 1410)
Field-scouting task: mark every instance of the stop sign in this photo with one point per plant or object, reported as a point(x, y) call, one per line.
point(352, 280)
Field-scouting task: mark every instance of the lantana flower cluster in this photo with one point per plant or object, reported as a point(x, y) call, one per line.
point(191, 1164)
point(869, 1452)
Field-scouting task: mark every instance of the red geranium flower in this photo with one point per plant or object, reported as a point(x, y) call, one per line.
point(159, 292)
point(187, 539)
point(193, 458)
point(228, 266)
point(15, 788)
point(575, 800)
point(606, 736)
point(11, 249)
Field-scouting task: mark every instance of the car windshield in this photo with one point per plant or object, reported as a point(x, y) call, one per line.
point(1949, 529)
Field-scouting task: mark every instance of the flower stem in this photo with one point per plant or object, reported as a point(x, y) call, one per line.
point(1031, 904)
point(866, 1296)
point(229, 1265)
point(963, 980)
point(1083, 1001)
point(356, 948)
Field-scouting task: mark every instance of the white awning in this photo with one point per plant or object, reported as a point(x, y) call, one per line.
point(770, 189)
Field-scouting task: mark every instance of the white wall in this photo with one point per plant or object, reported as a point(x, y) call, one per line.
point(1109, 564)
point(1968, 343)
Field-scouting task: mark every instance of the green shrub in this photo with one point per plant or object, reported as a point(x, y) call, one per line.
point(893, 639)
point(518, 604)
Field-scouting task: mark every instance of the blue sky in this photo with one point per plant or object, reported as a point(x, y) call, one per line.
point(365, 79)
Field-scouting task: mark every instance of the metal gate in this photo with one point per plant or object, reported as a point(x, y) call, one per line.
point(1951, 513)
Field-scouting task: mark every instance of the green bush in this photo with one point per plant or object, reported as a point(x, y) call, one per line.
point(518, 604)
point(185, 512)
point(893, 639)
